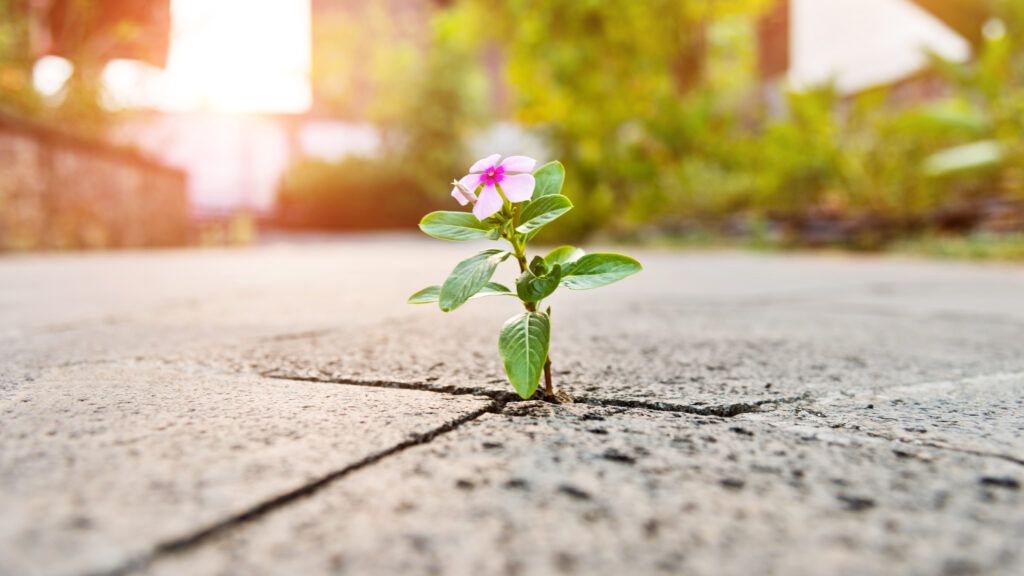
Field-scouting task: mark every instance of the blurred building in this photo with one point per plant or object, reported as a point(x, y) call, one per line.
point(59, 190)
point(63, 186)
point(235, 161)
point(857, 45)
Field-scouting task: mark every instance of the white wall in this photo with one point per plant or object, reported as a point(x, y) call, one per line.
point(864, 43)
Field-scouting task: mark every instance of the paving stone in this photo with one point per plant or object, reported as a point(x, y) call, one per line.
point(61, 309)
point(983, 414)
point(133, 416)
point(100, 464)
point(585, 490)
point(662, 352)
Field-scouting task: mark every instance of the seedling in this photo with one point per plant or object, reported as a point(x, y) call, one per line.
point(511, 202)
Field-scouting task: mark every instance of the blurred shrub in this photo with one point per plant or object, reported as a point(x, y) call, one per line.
point(355, 193)
point(654, 106)
point(602, 81)
point(16, 92)
point(993, 87)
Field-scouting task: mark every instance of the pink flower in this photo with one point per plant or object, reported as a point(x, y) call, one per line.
point(512, 175)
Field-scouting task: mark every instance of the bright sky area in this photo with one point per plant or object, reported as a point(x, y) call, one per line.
point(226, 56)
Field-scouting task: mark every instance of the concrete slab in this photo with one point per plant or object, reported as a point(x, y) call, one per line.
point(715, 356)
point(983, 414)
point(100, 465)
point(135, 424)
point(585, 490)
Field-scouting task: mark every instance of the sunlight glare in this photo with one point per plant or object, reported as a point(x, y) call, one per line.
point(239, 56)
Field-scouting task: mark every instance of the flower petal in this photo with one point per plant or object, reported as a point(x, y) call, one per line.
point(519, 164)
point(518, 187)
point(459, 197)
point(488, 203)
point(470, 181)
point(484, 163)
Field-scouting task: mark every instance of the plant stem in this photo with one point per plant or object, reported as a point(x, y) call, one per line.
point(548, 388)
point(519, 249)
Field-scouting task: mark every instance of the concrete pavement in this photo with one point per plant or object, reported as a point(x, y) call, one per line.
point(280, 410)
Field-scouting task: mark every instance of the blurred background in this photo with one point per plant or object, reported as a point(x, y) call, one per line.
point(856, 124)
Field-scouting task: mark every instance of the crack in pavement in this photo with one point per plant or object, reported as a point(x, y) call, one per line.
point(855, 432)
point(941, 446)
point(257, 511)
point(724, 410)
point(497, 395)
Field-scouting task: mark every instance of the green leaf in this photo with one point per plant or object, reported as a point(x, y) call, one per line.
point(957, 118)
point(539, 266)
point(431, 294)
point(533, 288)
point(564, 255)
point(600, 269)
point(549, 179)
point(542, 211)
point(458, 226)
point(468, 278)
point(523, 345)
point(973, 157)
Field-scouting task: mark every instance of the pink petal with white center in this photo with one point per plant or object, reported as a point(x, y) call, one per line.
point(518, 187)
point(487, 203)
point(519, 164)
point(470, 182)
point(484, 164)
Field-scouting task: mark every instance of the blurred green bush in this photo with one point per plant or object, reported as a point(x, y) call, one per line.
point(353, 194)
point(654, 150)
point(660, 143)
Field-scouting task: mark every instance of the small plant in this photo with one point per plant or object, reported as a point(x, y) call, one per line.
point(511, 202)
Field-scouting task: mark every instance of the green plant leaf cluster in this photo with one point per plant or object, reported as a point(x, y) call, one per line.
point(524, 339)
point(538, 281)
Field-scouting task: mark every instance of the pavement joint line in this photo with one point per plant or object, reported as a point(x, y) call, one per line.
point(496, 395)
point(939, 446)
point(908, 441)
point(257, 511)
point(285, 336)
point(724, 410)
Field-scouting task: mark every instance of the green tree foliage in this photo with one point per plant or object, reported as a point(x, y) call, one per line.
point(88, 33)
point(990, 94)
point(16, 93)
point(657, 107)
point(604, 80)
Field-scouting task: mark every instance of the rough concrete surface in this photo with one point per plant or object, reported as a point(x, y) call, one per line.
point(591, 490)
point(280, 410)
point(101, 463)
